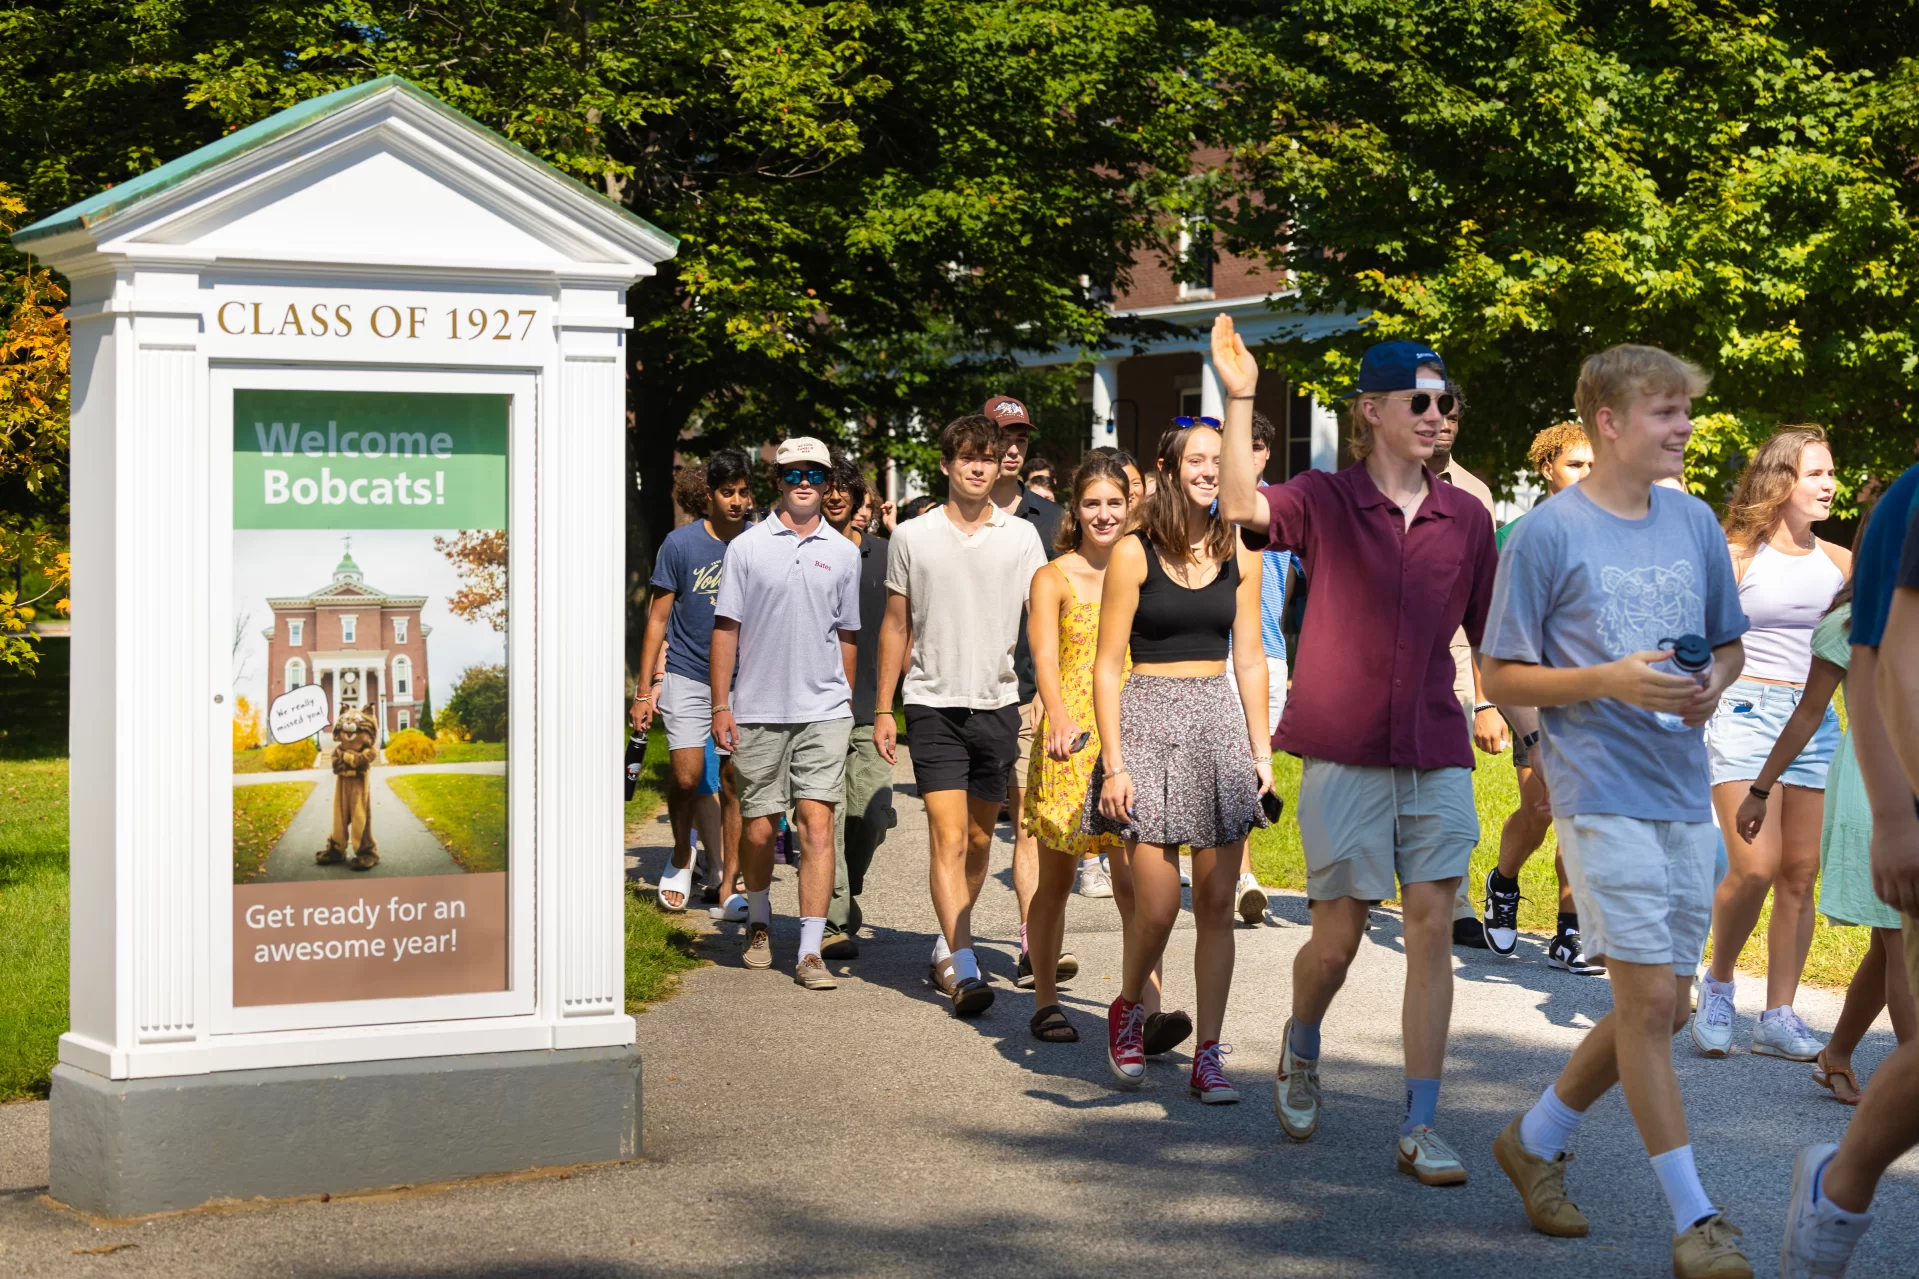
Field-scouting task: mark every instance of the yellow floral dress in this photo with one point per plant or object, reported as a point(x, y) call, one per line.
point(1056, 789)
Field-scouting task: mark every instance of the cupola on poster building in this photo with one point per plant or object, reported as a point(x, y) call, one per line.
point(348, 445)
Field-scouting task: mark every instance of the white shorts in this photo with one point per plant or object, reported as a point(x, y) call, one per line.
point(687, 707)
point(1275, 690)
point(1643, 888)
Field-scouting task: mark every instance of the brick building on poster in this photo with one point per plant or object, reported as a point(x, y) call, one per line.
point(362, 645)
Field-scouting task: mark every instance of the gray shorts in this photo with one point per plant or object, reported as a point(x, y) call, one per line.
point(780, 763)
point(1363, 827)
point(687, 707)
point(1643, 888)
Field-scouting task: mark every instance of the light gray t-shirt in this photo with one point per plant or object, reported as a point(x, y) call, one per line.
point(1579, 586)
point(792, 596)
point(964, 595)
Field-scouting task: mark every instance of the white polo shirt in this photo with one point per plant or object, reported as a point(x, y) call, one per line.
point(792, 596)
point(965, 594)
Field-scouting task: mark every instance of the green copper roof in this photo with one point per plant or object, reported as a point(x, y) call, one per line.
point(118, 199)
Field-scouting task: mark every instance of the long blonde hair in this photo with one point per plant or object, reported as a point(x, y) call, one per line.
point(1766, 485)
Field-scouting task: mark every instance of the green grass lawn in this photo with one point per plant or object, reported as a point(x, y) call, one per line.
point(261, 814)
point(33, 922)
point(465, 811)
point(468, 752)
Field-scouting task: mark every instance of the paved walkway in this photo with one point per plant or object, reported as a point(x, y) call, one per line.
point(407, 847)
point(864, 1131)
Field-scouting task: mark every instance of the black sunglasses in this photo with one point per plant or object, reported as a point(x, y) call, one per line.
point(814, 475)
point(1184, 422)
point(1420, 401)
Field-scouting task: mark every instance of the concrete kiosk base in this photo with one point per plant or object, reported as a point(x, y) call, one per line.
point(129, 1147)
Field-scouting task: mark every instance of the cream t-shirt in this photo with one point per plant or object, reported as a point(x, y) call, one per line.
point(964, 596)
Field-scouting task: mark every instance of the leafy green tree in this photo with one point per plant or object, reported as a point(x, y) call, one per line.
point(871, 197)
point(1524, 182)
point(479, 704)
point(34, 387)
point(426, 715)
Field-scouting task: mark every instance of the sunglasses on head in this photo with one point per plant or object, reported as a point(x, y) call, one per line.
point(1184, 422)
point(1420, 401)
point(814, 475)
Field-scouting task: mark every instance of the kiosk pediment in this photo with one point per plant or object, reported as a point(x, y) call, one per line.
point(378, 173)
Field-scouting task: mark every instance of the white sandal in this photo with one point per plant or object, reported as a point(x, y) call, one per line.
point(675, 881)
point(734, 911)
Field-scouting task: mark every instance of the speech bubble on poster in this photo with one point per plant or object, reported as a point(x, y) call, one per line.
point(298, 715)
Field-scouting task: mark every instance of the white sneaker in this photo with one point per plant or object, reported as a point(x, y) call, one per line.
point(1784, 1034)
point(1252, 899)
point(1712, 1018)
point(732, 911)
point(1422, 1154)
point(1819, 1236)
point(1185, 876)
point(1093, 880)
point(1296, 1090)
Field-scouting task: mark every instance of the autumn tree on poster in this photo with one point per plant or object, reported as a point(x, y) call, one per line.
point(479, 556)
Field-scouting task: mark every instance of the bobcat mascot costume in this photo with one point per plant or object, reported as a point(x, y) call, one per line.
point(355, 738)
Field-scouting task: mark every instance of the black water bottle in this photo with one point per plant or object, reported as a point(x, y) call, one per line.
point(635, 757)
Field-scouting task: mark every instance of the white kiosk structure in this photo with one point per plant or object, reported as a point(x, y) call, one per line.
point(365, 316)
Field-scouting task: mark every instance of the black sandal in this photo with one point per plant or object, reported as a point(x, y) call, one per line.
point(1049, 1025)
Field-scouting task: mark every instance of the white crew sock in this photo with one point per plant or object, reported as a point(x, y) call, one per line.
point(964, 965)
point(1547, 1126)
point(940, 949)
point(812, 934)
point(1679, 1178)
point(759, 906)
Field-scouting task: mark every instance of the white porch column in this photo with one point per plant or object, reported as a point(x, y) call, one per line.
point(1212, 400)
point(1105, 398)
point(1325, 437)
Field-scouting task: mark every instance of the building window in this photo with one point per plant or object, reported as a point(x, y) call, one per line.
point(406, 720)
point(403, 677)
point(399, 630)
point(349, 624)
point(296, 674)
point(1191, 401)
point(296, 631)
point(1196, 258)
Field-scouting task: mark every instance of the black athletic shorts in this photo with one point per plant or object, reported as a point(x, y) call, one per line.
point(959, 749)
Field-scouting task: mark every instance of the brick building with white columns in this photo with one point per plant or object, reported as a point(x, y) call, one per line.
point(363, 646)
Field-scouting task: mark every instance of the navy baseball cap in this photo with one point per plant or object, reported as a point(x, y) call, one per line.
point(1394, 366)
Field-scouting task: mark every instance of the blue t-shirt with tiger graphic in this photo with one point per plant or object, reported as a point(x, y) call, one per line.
point(1580, 586)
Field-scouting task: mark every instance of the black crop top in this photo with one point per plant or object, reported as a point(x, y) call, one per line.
point(1177, 624)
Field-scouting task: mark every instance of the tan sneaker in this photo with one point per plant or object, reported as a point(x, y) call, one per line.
point(759, 946)
point(1295, 1090)
point(811, 973)
point(1541, 1184)
point(1710, 1250)
point(1422, 1154)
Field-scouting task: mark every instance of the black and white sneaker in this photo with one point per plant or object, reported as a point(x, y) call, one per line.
point(1565, 952)
point(1502, 916)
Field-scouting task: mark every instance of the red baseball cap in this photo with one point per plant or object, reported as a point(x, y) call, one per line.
point(1007, 411)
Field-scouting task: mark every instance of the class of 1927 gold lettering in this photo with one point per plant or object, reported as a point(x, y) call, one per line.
point(320, 319)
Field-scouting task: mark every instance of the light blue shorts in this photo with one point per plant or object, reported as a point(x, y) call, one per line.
point(1742, 731)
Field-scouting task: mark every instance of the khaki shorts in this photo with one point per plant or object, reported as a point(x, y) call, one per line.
point(1029, 717)
point(1365, 827)
point(1643, 888)
point(779, 763)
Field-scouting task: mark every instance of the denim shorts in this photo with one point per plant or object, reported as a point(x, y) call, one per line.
point(1750, 717)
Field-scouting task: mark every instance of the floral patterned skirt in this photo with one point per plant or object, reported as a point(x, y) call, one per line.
point(1184, 742)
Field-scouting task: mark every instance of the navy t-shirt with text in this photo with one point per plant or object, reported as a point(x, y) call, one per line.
point(689, 566)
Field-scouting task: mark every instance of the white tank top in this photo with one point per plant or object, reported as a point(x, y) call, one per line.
point(1784, 597)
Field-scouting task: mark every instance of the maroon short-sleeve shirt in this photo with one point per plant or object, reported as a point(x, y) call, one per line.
point(1374, 682)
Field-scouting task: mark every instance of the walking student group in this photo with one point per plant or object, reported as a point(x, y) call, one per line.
point(1113, 670)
